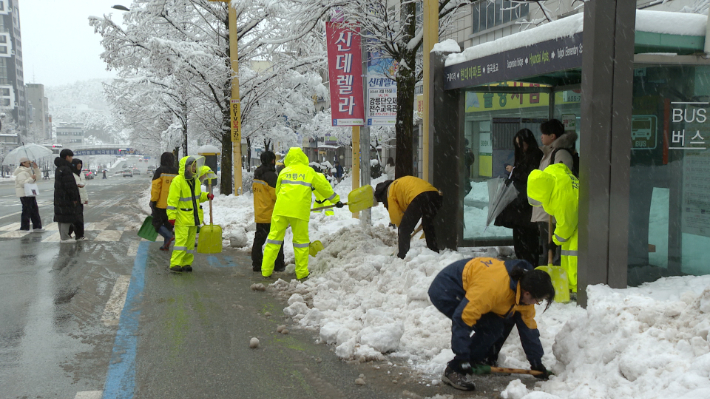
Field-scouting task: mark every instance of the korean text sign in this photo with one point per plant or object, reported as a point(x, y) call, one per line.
point(345, 70)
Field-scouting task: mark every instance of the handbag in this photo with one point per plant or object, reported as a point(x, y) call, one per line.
point(31, 190)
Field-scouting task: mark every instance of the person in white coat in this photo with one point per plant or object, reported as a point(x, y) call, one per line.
point(27, 172)
point(78, 226)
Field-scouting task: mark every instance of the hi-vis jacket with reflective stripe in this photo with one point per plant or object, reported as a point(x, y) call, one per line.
point(184, 197)
point(295, 185)
point(556, 189)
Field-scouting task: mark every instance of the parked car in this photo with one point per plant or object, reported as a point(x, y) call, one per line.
point(87, 174)
point(127, 173)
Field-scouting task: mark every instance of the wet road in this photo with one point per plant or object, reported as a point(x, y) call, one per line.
point(104, 319)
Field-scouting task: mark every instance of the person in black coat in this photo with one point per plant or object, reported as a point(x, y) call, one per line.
point(66, 193)
point(518, 213)
point(263, 207)
point(160, 187)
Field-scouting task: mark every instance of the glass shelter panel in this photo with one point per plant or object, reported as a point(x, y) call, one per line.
point(492, 120)
point(669, 203)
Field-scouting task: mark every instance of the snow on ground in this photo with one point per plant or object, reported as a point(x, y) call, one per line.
point(650, 341)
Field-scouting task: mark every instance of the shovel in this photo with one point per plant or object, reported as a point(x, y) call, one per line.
point(315, 247)
point(147, 230)
point(358, 200)
point(210, 239)
point(558, 275)
point(481, 369)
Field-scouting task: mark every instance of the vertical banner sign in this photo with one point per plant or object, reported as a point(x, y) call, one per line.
point(345, 70)
point(381, 90)
point(236, 113)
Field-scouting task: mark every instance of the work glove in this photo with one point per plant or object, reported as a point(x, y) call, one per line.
point(210, 196)
point(172, 222)
point(152, 204)
point(545, 374)
point(339, 204)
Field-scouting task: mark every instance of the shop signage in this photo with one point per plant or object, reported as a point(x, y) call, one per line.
point(687, 125)
point(540, 58)
point(381, 90)
point(345, 70)
point(570, 122)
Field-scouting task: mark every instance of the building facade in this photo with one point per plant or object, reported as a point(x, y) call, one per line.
point(12, 84)
point(40, 125)
point(70, 134)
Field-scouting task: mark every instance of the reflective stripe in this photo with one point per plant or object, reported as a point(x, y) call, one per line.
point(534, 202)
point(302, 183)
point(176, 248)
point(274, 242)
point(189, 198)
point(331, 197)
point(260, 182)
point(569, 253)
point(306, 245)
point(171, 207)
point(560, 239)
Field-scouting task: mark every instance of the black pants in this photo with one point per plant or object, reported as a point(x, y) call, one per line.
point(30, 211)
point(424, 207)
point(544, 237)
point(526, 242)
point(78, 226)
point(257, 253)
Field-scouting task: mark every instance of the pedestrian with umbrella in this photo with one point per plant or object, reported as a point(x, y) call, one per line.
point(27, 173)
point(516, 215)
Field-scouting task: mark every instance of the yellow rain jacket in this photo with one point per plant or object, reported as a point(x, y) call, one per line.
point(322, 202)
point(402, 192)
point(160, 188)
point(186, 195)
point(556, 189)
point(295, 185)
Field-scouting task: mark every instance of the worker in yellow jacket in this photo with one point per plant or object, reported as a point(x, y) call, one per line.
point(160, 187)
point(556, 189)
point(485, 298)
point(407, 200)
point(205, 174)
point(294, 188)
point(264, 189)
point(183, 211)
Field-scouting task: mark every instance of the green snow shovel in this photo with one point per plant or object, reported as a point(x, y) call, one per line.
point(147, 230)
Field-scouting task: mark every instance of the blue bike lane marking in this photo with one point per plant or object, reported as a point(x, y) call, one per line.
point(121, 377)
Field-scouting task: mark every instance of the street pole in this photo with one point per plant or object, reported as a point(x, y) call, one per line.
point(356, 162)
point(234, 103)
point(365, 217)
point(431, 36)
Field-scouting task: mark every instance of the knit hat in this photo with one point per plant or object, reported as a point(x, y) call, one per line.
point(23, 159)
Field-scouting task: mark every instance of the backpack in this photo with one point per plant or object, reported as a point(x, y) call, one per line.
point(575, 159)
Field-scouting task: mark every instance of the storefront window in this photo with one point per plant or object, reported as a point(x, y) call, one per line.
point(669, 207)
point(492, 119)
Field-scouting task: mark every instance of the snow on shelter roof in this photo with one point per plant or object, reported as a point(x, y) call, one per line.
point(672, 23)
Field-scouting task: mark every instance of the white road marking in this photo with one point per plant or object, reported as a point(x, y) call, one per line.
point(133, 248)
point(52, 227)
point(56, 237)
point(15, 234)
point(10, 227)
point(96, 226)
point(109, 235)
point(114, 306)
point(89, 395)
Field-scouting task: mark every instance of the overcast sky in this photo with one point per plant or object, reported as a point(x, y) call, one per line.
point(58, 45)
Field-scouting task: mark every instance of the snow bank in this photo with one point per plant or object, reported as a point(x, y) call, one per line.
point(448, 45)
point(672, 23)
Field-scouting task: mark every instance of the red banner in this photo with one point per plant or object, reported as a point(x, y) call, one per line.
point(345, 70)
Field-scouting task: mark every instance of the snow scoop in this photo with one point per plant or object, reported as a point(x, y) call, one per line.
point(558, 275)
point(417, 230)
point(485, 369)
point(358, 200)
point(147, 230)
point(314, 247)
point(210, 239)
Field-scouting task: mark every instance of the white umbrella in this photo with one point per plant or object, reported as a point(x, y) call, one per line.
point(31, 151)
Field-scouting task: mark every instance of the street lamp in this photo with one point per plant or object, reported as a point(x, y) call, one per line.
point(120, 7)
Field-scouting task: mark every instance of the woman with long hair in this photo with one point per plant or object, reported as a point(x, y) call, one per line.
point(517, 214)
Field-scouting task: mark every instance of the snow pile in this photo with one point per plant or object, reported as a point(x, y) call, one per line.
point(673, 23)
point(447, 46)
